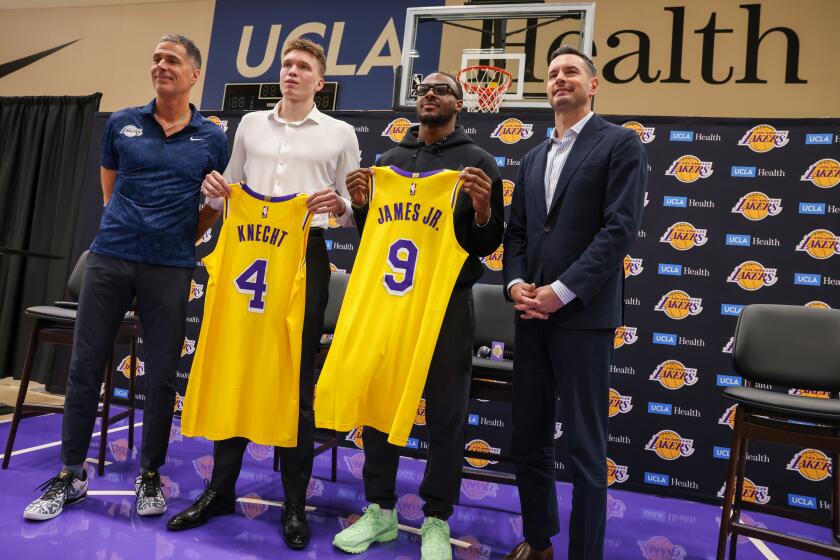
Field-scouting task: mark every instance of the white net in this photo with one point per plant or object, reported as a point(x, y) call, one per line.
point(484, 87)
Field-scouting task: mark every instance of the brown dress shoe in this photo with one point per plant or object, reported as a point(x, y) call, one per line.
point(523, 551)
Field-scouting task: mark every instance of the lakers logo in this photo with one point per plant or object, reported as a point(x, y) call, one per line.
point(624, 335)
point(478, 490)
point(260, 452)
point(208, 235)
point(683, 236)
point(727, 348)
point(615, 473)
point(507, 191)
point(511, 131)
point(752, 492)
point(673, 375)
point(125, 367)
point(824, 173)
point(119, 449)
point(728, 417)
point(756, 206)
point(632, 267)
point(615, 508)
point(333, 222)
point(171, 489)
point(253, 505)
point(809, 393)
point(558, 430)
point(420, 419)
point(188, 347)
point(670, 445)
point(481, 446)
point(396, 129)
point(619, 404)
point(752, 276)
point(218, 122)
point(196, 290)
point(646, 133)
point(677, 304)
point(818, 304)
point(355, 464)
point(314, 488)
point(688, 169)
point(812, 464)
point(203, 467)
point(763, 138)
point(493, 261)
point(660, 548)
point(820, 244)
point(333, 268)
point(410, 506)
point(179, 403)
point(355, 435)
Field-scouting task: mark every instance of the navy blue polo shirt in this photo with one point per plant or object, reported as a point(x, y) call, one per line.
point(153, 213)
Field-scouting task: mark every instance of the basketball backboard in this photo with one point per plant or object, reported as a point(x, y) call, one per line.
point(515, 37)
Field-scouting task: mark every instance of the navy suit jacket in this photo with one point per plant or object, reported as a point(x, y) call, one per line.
point(594, 217)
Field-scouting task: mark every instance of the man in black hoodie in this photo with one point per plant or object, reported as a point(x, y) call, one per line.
point(437, 143)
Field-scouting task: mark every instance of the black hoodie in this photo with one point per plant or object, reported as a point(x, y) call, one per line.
point(456, 151)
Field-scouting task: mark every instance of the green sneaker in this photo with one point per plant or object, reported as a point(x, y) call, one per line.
point(434, 535)
point(374, 526)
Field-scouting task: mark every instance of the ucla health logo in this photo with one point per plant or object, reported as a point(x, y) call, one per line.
point(396, 129)
point(646, 134)
point(812, 464)
point(763, 138)
point(670, 445)
point(688, 169)
point(615, 472)
point(818, 138)
point(632, 267)
point(681, 136)
point(677, 304)
point(752, 276)
point(756, 206)
point(743, 171)
point(824, 173)
point(820, 244)
point(624, 335)
point(673, 375)
point(620, 404)
point(511, 131)
point(683, 236)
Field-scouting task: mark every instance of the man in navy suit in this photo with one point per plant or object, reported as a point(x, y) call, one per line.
point(576, 210)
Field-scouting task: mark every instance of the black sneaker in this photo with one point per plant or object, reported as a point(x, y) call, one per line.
point(150, 498)
point(61, 490)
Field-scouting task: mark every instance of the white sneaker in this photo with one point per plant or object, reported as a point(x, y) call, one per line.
point(150, 498)
point(61, 490)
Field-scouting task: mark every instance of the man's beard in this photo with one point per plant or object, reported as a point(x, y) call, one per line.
point(435, 120)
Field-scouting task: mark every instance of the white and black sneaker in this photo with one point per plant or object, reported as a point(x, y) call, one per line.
point(61, 490)
point(150, 498)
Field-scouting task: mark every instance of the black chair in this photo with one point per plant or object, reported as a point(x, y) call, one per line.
point(327, 438)
point(54, 324)
point(491, 379)
point(790, 346)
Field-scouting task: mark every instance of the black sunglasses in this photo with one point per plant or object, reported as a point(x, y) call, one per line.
point(438, 89)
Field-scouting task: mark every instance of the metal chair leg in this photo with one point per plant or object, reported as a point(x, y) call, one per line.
point(21, 397)
point(106, 411)
point(739, 488)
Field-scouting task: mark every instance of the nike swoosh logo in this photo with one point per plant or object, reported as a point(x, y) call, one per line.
point(7, 68)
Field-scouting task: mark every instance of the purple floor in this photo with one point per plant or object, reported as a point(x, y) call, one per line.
point(105, 527)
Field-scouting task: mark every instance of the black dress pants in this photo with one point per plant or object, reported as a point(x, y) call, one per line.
point(295, 462)
point(109, 286)
point(447, 394)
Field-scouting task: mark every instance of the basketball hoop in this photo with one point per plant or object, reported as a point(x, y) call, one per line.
point(484, 87)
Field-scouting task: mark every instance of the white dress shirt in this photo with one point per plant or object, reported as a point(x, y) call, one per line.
point(558, 153)
point(276, 157)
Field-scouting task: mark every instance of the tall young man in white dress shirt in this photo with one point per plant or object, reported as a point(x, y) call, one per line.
point(291, 148)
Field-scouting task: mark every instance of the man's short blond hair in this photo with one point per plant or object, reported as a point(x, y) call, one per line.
point(311, 47)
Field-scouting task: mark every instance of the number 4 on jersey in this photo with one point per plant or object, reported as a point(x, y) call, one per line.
point(252, 282)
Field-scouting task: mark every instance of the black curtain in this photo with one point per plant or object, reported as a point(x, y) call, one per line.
point(43, 146)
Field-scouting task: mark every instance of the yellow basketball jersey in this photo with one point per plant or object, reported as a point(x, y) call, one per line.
point(246, 372)
point(399, 289)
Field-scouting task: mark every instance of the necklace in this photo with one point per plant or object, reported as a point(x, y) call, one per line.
point(171, 126)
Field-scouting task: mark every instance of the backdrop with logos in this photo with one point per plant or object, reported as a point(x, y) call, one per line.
point(737, 212)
